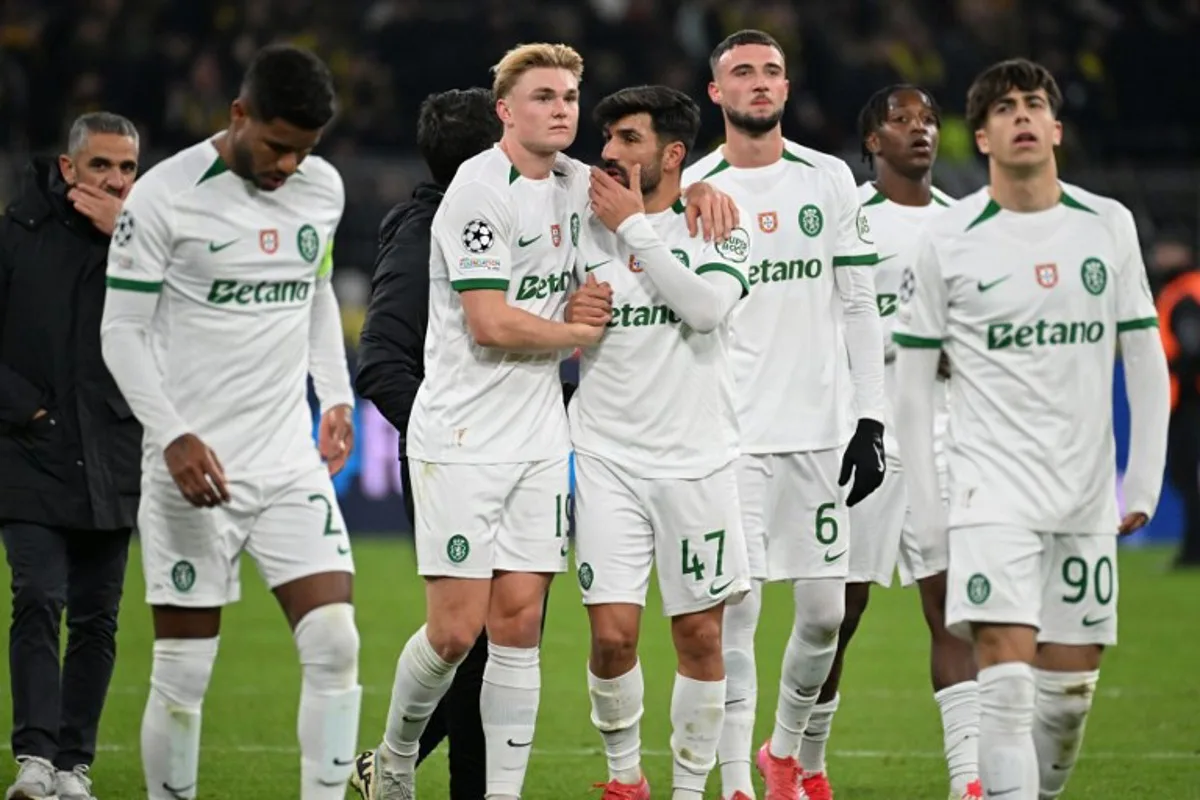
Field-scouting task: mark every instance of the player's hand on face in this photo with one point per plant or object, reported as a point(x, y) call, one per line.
point(335, 437)
point(711, 209)
point(1132, 523)
point(196, 471)
point(591, 304)
point(97, 205)
point(612, 202)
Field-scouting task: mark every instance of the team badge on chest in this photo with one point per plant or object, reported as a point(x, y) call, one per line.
point(768, 221)
point(556, 234)
point(634, 264)
point(1047, 275)
point(268, 241)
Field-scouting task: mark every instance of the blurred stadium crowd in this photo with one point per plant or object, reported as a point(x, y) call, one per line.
point(1133, 123)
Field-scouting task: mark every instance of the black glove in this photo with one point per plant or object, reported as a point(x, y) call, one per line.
point(864, 455)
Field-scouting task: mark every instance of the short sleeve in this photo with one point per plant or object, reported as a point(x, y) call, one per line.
point(921, 318)
point(855, 247)
point(730, 256)
point(1135, 301)
point(141, 246)
point(473, 230)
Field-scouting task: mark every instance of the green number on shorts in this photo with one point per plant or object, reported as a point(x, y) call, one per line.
point(1075, 574)
point(329, 529)
point(558, 515)
point(1103, 575)
point(825, 522)
point(692, 565)
point(720, 537)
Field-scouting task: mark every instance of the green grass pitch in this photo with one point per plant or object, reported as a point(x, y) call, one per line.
point(1143, 739)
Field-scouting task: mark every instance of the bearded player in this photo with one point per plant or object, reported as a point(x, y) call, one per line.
point(807, 357)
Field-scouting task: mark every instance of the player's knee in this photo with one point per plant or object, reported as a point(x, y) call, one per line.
point(820, 609)
point(1064, 698)
point(697, 636)
point(613, 646)
point(327, 642)
point(513, 626)
point(182, 669)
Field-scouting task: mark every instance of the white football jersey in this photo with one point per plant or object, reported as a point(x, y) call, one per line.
point(655, 396)
point(497, 230)
point(790, 365)
point(236, 269)
point(1028, 307)
point(894, 229)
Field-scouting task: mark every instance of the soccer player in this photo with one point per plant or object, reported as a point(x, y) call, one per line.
point(1030, 285)
point(899, 128)
point(219, 307)
point(807, 353)
point(488, 443)
point(655, 438)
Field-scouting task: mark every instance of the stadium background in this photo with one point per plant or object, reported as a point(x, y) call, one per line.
point(1132, 131)
point(1132, 122)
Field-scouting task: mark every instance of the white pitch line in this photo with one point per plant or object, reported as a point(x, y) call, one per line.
point(589, 752)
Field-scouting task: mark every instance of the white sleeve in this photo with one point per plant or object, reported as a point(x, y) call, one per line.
point(1147, 378)
point(864, 338)
point(703, 298)
point(474, 229)
point(138, 257)
point(922, 314)
point(854, 264)
point(916, 379)
point(326, 350)
point(1135, 301)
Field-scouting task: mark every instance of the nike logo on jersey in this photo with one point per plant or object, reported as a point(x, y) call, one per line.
point(1089, 622)
point(716, 590)
point(511, 743)
point(830, 559)
point(983, 287)
point(523, 242)
point(591, 267)
point(213, 247)
point(343, 549)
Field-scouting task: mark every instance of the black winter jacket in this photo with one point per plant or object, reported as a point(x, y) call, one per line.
point(79, 465)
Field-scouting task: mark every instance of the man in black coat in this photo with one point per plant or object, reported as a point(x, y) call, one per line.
point(452, 127)
point(70, 452)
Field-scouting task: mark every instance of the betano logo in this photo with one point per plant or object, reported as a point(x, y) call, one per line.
point(263, 292)
point(1005, 335)
point(776, 271)
point(631, 316)
point(537, 287)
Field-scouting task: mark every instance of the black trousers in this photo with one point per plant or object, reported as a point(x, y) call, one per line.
point(457, 716)
point(56, 710)
point(1183, 471)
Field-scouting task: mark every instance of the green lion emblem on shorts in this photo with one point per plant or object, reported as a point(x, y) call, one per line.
point(458, 548)
point(979, 588)
point(183, 576)
point(586, 576)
